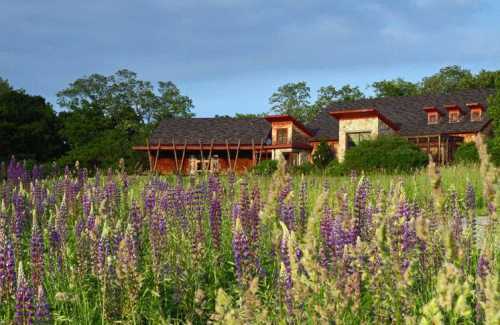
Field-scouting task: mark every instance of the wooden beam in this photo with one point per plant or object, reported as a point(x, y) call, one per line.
point(210, 154)
point(253, 153)
point(428, 145)
point(201, 153)
point(261, 148)
point(175, 157)
point(237, 152)
point(439, 149)
point(149, 156)
point(183, 154)
point(228, 155)
point(157, 154)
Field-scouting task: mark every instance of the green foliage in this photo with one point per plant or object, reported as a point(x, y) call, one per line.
point(249, 115)
point(335, 168)
point(394, 88)
point(467, 153)
point(388, 153)
point(305, 168)
point(5, 87)
point(265, 167)
point(28, 127)
point(323, 155)
point(451, 78)
point(494, 114)
point(292, 99)
point(107, 115)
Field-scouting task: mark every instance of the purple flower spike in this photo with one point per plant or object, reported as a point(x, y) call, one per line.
point(241, 251)
point(42, 308)
point(37, 255)
point(24, 300)
point(215, 221)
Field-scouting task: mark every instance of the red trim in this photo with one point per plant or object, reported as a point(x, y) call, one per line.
point(475, 105)
point(433, 109)
point(288, 118)
point(453, 107)
point(363, 113)
point(154, 147)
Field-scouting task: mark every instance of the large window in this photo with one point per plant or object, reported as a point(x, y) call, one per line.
point(353, 139)
point(432, 118)
point(282, 136)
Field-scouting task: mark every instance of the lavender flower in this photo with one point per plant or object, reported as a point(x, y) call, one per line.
point(483, 266)
point(24, 300)
point(286, 273)
point(42, 308)
point(215, 220)
point(241, 252)
point(37, 255)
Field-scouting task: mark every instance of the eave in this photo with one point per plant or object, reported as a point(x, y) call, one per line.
point(363, 113)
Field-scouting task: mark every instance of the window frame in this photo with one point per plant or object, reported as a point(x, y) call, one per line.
point(281, 133)
point(351, 143)
point(476, 111)
point(432, 115)
point(454, 113)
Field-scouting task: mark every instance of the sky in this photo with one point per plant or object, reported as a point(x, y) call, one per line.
point(230, 55)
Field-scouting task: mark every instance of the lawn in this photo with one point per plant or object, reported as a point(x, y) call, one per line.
point(247, 249)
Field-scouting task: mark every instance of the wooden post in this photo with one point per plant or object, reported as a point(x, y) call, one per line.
point(237, 152)
point(228, 155)
point(175, 157)
point(253, 153)
point(439, 149)
point(261, 148)
point(201, 153)
point(149, 156)
point(183, 154)
point(210, 154)
point(428, 145)
point(157, 154)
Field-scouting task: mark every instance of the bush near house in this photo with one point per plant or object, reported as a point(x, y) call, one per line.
point(265, 167)
point(323, 155)
point(467, 153)
point(388, 153)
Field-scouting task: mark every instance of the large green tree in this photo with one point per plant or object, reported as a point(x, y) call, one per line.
point(292, 99)
point(28, 127)
point(295, 99)
point(106, 115)
point(4, 86)
point(394, 88)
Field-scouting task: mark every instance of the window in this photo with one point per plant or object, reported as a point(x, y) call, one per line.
point(282, 136)
point(353, 139)
point(475, 114)
point(432, 118)
point(454, 116)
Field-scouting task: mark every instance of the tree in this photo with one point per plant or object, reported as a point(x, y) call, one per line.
point(106, 115)
point(249, 115)
point(28, 127)
point(4, 86)
point(323, 155)
point(349, 93)
point(451, 78)
point(494, 114)
point(395, 88)
point(292, 99)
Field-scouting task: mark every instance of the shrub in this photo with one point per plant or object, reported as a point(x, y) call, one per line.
point(335, 168)
point(388, 153)
point(265, 167)
point(467, 153)
point(303, 169)
point(323, 155)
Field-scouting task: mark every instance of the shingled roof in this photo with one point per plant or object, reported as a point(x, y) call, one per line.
point(206, 130)
point(408, 114)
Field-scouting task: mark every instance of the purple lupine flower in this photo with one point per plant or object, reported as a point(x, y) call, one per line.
point(37, 255)
point(135, 219)
point(10, 268)
point(86, 205)
point(241, 252)
point(287, 212)
point(24, 300)
point(19, 211)
point(215, 220)
point(361, 222)
point(326, 231)
point(38, 198)
point(470, 197)
point(483, 266)
point(42, 308)
point(286, 279)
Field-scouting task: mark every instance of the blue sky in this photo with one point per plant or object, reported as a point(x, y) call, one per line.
point(231, 55)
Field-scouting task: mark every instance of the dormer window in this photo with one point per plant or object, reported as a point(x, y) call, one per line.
point(282, 136)
point(432, 118)
point(476, 115)
point(476, 112)
point(433, 114)
point(454, 113)
point(454, 116)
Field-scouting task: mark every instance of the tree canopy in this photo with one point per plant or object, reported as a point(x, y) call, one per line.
point(28, 127)
point(106, 115)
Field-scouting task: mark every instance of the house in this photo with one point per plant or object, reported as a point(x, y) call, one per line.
point(435, 123)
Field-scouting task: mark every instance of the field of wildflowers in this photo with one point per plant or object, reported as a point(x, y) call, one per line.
point(374, 249)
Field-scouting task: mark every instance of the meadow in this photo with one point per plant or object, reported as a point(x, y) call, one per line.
point(419, 248)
